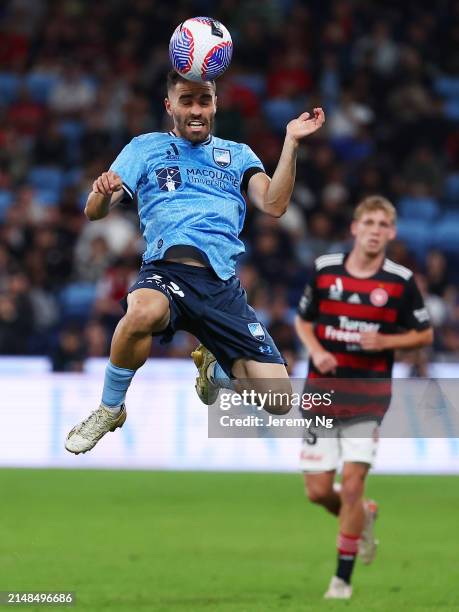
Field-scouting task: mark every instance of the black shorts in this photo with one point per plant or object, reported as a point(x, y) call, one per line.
point(212, 309)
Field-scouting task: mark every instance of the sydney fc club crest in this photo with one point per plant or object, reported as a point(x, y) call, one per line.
point(222, 157)
point(257, 331)
point(169, 179)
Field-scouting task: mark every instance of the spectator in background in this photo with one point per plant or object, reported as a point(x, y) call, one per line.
point(50, 147)
point(96, 339)
point(26, 116)
point(117, 231)
point(91, 264)
point(317, 241)
point(377, 51)
point(72, 94)
point(436, 273)
point(70, 352)
point(16, 316)
point(111, 289)
point(423, 167)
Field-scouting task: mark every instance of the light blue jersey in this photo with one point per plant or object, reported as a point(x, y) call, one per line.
point(189, 194)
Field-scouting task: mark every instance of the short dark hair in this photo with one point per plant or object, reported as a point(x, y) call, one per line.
point(174, 77)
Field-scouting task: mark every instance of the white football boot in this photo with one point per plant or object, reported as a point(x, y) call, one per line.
point(368, 543)
point(87, 434)
point(338, 589)
point(207, 391)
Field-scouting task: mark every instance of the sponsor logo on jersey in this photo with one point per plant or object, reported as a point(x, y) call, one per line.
point(306, 299)
point(158, 280)
point(175, 289)
point(169, 179)
point(215, 178)
point(304, 303)
point(379, 297)
point(222, 157)
point(421, 315)
point(172, 154)
point(355, 325)
point(349, 330)
point(354, 299)
point(265, 349)
point(257, 331)
point(336, 290)
point(307, 456)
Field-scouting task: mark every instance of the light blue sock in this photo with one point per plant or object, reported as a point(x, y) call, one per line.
point(220, 378)
point(116, 384)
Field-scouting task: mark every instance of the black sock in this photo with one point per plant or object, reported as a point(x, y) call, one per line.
point(345, 567)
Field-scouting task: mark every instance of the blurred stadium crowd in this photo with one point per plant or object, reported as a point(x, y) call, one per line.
point(79, 79)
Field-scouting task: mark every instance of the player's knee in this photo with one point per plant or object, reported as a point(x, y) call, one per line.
point(279, 399)
point(278, 407)
point(352, 491)
point(144, 319)
point(318, 495)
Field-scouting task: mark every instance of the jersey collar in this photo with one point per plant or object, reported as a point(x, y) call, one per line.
point(205, 142)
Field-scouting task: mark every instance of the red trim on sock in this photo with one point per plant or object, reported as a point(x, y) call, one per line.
point(347, 544)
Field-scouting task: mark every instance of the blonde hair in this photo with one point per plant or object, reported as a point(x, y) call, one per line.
point(373, 203)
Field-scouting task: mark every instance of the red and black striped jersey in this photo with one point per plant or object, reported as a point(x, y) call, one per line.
point(342, 306)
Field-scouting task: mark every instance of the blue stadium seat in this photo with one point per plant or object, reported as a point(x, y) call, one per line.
point(420, 208)
point(71, 130)
point(255, 82)
point(445, 234)
point(47, 197)
point(351, 149)
point(40, 86)
point(76, 300)
point(46, 178)
point(72, 177)
point(279, 112)
point(451, 109)
point(452, 189)
point(9, 87)
point(446, 86)
point(416, 234)
point(6, 199)
point(82, 199)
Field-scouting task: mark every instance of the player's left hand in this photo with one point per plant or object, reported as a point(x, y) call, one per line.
point(372, 341)
point(305, 124)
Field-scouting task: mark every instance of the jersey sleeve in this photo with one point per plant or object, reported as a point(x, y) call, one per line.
point(413, 312)
point(130, 166)
point(308, 306)
point(251, 165)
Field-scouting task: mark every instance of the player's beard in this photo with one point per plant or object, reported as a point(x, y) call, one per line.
point(185, 131)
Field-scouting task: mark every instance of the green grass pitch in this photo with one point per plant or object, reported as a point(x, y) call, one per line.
point(227, 542)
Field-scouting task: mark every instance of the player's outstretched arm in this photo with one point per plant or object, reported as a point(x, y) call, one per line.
point(107, 190)
point(273, 196)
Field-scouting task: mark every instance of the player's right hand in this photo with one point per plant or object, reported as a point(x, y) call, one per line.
point(325, 362)
point(107, 183)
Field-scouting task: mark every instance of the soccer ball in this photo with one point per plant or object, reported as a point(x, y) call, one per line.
point(200, 49)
